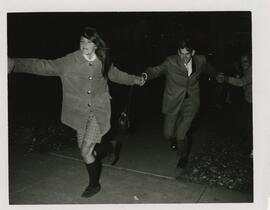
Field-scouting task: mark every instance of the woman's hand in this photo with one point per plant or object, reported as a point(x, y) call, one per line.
point(139, 80)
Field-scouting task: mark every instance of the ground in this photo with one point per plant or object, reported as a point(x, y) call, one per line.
point(218, 158)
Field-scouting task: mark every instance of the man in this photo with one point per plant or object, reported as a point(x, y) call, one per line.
point(181, 98)
point(245, 115)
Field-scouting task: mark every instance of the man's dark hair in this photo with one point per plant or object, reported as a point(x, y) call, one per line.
point(186, 43)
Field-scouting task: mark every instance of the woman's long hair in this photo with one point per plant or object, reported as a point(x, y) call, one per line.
point(102, 51)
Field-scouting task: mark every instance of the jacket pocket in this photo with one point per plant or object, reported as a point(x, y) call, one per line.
point(102, 101)
point(72, 101)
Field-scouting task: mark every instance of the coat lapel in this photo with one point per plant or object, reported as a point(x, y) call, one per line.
point(181, 65)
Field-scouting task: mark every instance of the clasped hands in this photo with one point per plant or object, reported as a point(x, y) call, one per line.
point(140, 80)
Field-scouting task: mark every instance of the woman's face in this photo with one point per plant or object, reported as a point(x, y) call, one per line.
point(87, 47)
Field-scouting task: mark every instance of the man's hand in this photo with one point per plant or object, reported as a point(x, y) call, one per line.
point(220, 77)
point(11, 65)
point(144, 75)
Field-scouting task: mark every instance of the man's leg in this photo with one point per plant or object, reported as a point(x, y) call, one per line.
point(184, 120)
point(169, 130)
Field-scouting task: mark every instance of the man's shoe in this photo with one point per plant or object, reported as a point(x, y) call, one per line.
point(182, 162)
point(173, 145)
point(90, 191)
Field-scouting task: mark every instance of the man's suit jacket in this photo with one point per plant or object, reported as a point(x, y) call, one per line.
point(178, 83)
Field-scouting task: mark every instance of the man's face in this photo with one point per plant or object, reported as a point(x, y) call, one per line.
point(185, 55)
point(245, 62)
point(87, 47)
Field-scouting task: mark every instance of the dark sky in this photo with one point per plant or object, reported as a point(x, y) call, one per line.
point(54, 34)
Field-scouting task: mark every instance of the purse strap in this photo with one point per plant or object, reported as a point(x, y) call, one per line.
point(127, 108)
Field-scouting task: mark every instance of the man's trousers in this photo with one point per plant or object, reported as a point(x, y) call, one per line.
point(177, 125)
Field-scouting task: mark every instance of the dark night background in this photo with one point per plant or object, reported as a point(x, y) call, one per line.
point(138, 40)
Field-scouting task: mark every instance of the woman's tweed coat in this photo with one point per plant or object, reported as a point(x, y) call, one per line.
point(84, 87)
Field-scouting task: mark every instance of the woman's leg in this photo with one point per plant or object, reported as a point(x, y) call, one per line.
point(86, 142)
point(110, 148)
point(87, 152)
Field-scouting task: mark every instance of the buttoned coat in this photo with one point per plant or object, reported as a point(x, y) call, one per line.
point(84, 86)
point(178, 83)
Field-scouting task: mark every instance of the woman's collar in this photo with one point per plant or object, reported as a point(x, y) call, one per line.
point(93, 57)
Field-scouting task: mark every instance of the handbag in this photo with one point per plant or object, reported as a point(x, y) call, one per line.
point(124, 119)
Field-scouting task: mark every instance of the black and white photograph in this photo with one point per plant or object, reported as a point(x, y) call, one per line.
point(131, 107)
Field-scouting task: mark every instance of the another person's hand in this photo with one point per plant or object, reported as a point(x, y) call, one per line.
point(139, 80)
point(11, 65)
point(220, 77)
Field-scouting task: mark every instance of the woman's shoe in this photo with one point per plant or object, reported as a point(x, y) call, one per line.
point(90, 191)
point(94, 170)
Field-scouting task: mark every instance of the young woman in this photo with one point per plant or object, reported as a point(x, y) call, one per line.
point(86, 99)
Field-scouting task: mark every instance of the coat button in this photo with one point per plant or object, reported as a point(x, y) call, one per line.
point(89, 91)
